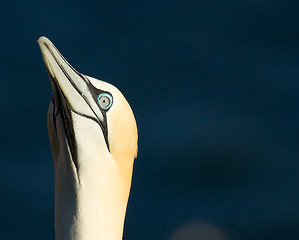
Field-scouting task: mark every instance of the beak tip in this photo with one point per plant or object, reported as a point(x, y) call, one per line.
point(43, 40)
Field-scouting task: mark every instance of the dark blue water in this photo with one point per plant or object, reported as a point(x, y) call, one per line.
point(215, 91)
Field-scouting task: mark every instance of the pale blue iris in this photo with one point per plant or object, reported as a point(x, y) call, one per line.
point(105, 100)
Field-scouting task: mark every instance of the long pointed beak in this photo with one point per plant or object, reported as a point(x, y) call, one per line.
point(74, 86)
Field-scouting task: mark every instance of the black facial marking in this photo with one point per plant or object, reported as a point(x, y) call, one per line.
point(65, 108)
point(95, 93)
point(54, 112)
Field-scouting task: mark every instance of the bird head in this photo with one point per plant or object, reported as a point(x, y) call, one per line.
point(94, 115)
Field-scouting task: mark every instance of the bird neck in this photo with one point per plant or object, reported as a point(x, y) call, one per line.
point(91, 200)
point(89, 209)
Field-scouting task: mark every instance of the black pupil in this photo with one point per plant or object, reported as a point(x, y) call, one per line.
point(105, 101)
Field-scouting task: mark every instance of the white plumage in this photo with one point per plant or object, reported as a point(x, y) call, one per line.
point(93, 136)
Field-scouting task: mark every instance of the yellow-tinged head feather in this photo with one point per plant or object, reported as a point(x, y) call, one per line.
point(122, 128)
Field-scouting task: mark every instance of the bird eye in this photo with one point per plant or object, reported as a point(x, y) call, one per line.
point(105, 100)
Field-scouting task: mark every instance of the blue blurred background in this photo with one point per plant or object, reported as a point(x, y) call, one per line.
point(214, 88)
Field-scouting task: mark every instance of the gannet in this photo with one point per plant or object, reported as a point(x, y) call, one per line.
point(93, 136)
